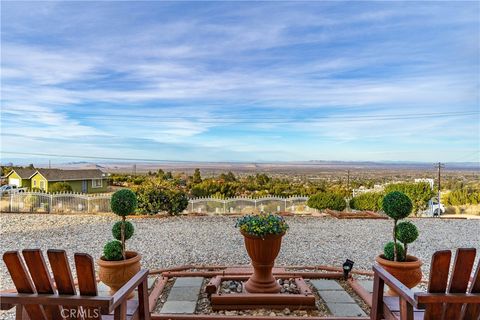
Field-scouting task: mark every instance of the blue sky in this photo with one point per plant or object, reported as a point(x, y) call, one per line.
point(242, 81)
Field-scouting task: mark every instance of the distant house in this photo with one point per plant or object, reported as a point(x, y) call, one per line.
point(82, 181)
point(20, 177)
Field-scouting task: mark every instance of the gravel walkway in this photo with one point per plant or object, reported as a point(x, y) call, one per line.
point(177, 241)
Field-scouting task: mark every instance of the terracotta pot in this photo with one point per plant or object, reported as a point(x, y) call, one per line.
point(408, 272)
point(263, 252)
point(116, 273)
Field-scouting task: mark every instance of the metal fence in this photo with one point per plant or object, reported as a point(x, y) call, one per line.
point(38, 202)
point(297, 204)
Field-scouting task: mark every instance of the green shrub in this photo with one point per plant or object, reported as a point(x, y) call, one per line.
point(389, 252)
point(406, 233)
point(112, 251)
point(367, 201)
point(123, 202)
point(262, 224)
point(154, 198)
point(60, 187)
point(117, 230)
point(325, 200)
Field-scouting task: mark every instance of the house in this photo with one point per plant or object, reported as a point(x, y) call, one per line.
point(83, 181)
point(20, 177)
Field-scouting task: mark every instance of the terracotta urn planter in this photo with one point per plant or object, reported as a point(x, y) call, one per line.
point(408, 272)
point(116, 273)
point(263, 252)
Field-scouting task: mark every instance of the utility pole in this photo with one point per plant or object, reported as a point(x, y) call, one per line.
point(348, 180)
point(439, 166)
point(49, 164)
point(135, 169)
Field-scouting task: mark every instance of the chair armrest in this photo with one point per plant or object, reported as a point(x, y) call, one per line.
point(395, 285)
point(54, 299)
point(423, 298)
point(122, 294)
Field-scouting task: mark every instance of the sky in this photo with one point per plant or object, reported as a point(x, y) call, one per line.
point(241, 81)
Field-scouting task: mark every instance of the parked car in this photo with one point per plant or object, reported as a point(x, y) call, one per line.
point(434, 209)
point(9, 188)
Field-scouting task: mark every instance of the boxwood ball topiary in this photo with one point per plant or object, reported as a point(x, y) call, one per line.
point(389, 253)
point(117, 230)
point(112, 251)
point(397, 205)
point(124, 202)
point(407, 232)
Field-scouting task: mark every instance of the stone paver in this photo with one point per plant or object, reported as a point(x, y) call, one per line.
point(179, 307)
point(188, 282)
point(184, 294)
point(345, 310)
point(338, 301)
point(326, 285)
point(336, 297)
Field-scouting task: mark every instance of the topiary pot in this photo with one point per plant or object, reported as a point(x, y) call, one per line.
point(408, 272)
point(116, 273)
point(262, 252)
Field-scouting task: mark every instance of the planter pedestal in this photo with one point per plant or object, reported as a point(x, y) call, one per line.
point(263, 252)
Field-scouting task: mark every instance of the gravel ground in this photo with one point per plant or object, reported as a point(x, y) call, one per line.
point(174, 241)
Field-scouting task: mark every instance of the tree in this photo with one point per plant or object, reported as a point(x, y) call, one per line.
point(419, 193)
point(154, 197)
point(197, 178)
point(60, 187)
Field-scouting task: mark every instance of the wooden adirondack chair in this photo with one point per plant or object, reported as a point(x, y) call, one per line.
point(38, 298)
point(457, 299)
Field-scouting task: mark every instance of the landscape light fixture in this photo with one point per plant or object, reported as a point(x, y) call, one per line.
point(347, 267)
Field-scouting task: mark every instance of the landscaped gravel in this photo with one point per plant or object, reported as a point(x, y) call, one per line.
point(174, 241)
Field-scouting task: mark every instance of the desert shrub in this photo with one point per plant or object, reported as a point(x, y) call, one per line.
point(367, 201)
point(60, 187)
point(112, 251)
point(389, 252)
point(117, 230)
point(154, 198)
point(463, 196)
point(325, 200)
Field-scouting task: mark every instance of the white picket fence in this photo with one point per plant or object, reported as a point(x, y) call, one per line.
point(38, 202)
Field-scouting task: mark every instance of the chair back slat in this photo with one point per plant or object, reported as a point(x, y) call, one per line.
point(472, 311)
point(63, 280)
point(439, 269)
point(462, 270)
point(87, 283)
point(23, 283)
point(41, 278)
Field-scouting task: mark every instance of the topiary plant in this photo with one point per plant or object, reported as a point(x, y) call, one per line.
point(397, 206)
point(123, 203)
point(407, 232)
point(112, 251)
point(389, 252)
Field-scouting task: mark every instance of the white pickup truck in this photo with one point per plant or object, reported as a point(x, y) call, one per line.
point(434, 210)
point(9, 188)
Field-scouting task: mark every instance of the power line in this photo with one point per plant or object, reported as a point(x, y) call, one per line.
point(256, 118)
